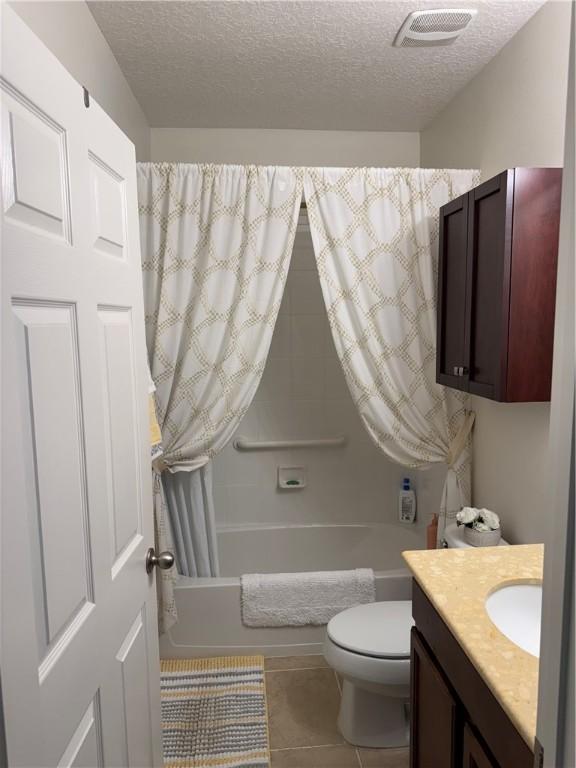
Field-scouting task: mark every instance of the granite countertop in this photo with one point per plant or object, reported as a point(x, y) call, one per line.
point(457, 582)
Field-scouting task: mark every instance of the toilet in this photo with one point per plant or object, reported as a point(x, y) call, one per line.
point(369, 647)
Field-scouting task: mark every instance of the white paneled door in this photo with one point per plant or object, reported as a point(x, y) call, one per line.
point(79, 646)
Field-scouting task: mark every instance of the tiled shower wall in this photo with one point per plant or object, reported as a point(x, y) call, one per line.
point(303, 395)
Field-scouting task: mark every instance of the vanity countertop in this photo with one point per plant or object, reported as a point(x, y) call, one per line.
point(457, 582)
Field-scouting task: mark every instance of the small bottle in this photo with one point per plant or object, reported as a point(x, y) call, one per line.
point(407, 503)
point(432, 533)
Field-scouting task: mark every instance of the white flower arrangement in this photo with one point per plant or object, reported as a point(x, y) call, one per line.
point(479, 519)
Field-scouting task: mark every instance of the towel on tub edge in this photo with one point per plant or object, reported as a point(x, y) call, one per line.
point(301, 599)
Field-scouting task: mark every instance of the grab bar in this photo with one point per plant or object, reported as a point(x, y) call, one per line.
point(242, 444)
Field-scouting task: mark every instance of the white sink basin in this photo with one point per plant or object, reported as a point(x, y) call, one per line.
point(517, 612)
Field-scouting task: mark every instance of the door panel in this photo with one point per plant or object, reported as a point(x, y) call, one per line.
point(475, 756)
point(108, 208)
point(86, 749)
point(488, 287)
point(131, 658)
point(76, 494)
point(434, 718)
point(62, 565)
point(451, 351)
point(122, 437)
point(33, 140)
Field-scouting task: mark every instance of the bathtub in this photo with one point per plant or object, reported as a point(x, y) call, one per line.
point(209, 608)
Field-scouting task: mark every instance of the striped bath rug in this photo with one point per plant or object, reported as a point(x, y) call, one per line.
point(214, 713)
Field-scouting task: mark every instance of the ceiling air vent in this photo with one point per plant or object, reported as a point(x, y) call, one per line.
point(428, 28)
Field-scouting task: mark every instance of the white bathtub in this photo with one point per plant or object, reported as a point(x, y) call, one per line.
point(209, 608)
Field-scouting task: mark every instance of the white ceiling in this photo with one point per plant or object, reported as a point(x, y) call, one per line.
point(316, 64)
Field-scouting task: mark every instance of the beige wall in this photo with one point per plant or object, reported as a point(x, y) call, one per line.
point(511, 114)
point(68, 29)
point(285, 147)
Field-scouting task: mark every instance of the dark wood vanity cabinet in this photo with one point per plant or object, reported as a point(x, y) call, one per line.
point(498, 247)
point(455, 719)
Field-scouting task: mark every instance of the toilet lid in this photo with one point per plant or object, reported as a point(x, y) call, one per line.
point(375, 629)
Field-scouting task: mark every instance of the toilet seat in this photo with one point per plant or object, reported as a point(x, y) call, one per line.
point(374, 630)
point(369, 670)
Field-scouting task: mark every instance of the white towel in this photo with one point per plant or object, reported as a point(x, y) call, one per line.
point(300, 599)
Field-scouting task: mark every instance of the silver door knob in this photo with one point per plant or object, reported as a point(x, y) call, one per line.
point(164, 560)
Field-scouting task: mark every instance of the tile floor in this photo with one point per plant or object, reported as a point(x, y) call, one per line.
point(303, 699)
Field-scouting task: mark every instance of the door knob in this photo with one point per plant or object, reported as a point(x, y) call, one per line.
point(164, 560)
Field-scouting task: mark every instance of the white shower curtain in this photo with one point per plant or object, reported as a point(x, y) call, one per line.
point(375, 238)
point(216, 245)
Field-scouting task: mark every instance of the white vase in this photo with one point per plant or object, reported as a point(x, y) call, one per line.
point(481, 538)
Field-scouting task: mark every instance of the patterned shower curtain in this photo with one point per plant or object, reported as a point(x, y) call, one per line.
point(216, 246)
point(375, 238)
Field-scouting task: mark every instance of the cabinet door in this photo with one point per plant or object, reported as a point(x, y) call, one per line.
point(475, 756)
point(434, 726)
point(451, 355)
point(488, 284)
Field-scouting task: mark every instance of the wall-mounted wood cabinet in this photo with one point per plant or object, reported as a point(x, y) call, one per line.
point(498, 250)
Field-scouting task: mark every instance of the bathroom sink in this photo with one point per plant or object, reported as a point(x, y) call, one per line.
point(517, 612)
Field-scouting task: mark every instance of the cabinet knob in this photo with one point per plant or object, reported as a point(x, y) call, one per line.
point(456, 371)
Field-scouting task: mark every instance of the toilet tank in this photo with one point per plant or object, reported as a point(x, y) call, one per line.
point(454, 537)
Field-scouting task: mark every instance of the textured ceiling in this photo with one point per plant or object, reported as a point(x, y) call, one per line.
point(317, 64)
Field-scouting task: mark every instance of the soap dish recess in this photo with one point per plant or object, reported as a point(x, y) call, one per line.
point(292, 478)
